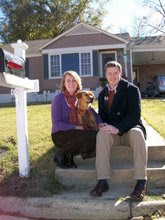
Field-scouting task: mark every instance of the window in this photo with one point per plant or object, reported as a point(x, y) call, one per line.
point(85, 64)
point(80, 62)
point(55, 65)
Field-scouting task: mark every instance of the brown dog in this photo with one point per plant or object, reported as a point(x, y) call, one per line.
point(85, 112)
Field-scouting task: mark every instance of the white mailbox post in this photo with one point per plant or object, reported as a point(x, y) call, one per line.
point(19, 88)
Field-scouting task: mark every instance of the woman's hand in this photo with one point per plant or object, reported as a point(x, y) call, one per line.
point(79, 127)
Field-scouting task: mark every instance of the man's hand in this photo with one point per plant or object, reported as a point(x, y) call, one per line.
point(102, 125)
point(110, 129)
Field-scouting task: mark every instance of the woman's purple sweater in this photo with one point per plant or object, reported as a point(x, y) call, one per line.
point(60, 112)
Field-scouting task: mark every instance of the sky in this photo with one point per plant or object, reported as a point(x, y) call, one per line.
point(121, 15)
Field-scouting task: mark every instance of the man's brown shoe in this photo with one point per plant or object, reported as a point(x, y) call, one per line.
point(139, 192)
point(99, 189)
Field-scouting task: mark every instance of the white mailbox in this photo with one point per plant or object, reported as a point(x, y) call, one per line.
point(12, 73)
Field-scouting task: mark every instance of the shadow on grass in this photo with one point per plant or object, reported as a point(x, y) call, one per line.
point(12, 104)
point(41, 181)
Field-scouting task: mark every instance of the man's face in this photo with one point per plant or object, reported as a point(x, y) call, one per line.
point(113, 76)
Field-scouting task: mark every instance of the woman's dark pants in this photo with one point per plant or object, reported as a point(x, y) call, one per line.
point(74, 142)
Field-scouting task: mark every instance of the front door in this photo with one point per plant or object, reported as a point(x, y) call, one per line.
point(106, 57)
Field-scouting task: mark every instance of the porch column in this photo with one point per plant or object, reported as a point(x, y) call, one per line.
point(125, 63)
point(131, 67)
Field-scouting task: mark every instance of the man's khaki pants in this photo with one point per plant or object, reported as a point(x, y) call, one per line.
point(133, 138)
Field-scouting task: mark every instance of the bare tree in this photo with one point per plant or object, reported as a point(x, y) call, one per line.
point(154, 20)
point(139, 28)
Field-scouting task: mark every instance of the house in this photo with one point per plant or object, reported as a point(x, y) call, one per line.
point(85, 49)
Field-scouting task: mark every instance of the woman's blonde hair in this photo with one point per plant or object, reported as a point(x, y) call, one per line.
point(75, 76)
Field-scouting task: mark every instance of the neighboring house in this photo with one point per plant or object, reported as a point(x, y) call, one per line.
point(85, 49)
point(148, 58)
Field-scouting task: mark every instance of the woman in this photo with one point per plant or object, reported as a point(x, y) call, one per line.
point(69, 137)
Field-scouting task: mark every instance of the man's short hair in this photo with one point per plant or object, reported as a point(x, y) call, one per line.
point(113, 64)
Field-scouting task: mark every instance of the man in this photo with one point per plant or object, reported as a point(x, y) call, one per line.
point(120, 110)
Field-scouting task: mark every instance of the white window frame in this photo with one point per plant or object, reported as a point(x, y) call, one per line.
point(101, 63)
point(91, 63)
point(50, 74)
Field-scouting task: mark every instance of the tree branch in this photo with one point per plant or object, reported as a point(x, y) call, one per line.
point(150, 25)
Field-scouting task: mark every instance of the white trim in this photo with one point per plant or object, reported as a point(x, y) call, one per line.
point(79, 63)
point(84, 33)
point(125, 63)
point(84, 48)
point(76, 34)
point(147, 49)
point(86, 26)
point(49, 62)
point(91, 59)
point(92, 63)
point(101, 61)
point(130, 51)
point(35, 55)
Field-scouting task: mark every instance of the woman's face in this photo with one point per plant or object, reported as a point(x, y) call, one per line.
point(70, 84)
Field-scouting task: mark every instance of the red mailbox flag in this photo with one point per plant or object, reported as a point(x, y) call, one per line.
point(10, 63)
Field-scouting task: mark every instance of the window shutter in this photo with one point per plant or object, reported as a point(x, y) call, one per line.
point(95, 63)
point(45, 66)
point(27, 73)
point(70, 62)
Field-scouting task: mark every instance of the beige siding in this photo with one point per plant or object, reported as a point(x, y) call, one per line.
point(35, 69)
point(91, 82)
point(83, 40)
point(54, 84)
point(4, 90)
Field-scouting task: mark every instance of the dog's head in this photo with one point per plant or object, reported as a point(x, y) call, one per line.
point(85, 98)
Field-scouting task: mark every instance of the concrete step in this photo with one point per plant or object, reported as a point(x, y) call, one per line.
point(124, 153)
point(122, 169)
point(78, 204)
point(114, 204)
point(122, 174)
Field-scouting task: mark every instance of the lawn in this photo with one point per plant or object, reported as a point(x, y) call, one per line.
point(42, 176)
point(42, 179)
point(153, 111)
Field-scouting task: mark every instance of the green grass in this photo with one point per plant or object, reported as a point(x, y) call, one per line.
point(41, 149)
point(153, 111)
point(41, 153)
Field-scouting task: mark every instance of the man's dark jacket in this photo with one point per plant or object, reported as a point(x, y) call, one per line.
point(125, 111)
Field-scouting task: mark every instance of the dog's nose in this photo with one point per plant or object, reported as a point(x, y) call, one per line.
point(92, 99)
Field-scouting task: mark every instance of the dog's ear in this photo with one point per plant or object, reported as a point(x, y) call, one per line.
point(91, 94)
point(79, 95)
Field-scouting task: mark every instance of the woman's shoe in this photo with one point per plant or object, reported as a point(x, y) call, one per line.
point(71, 162)
point(87, 155)
point(60, 160)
